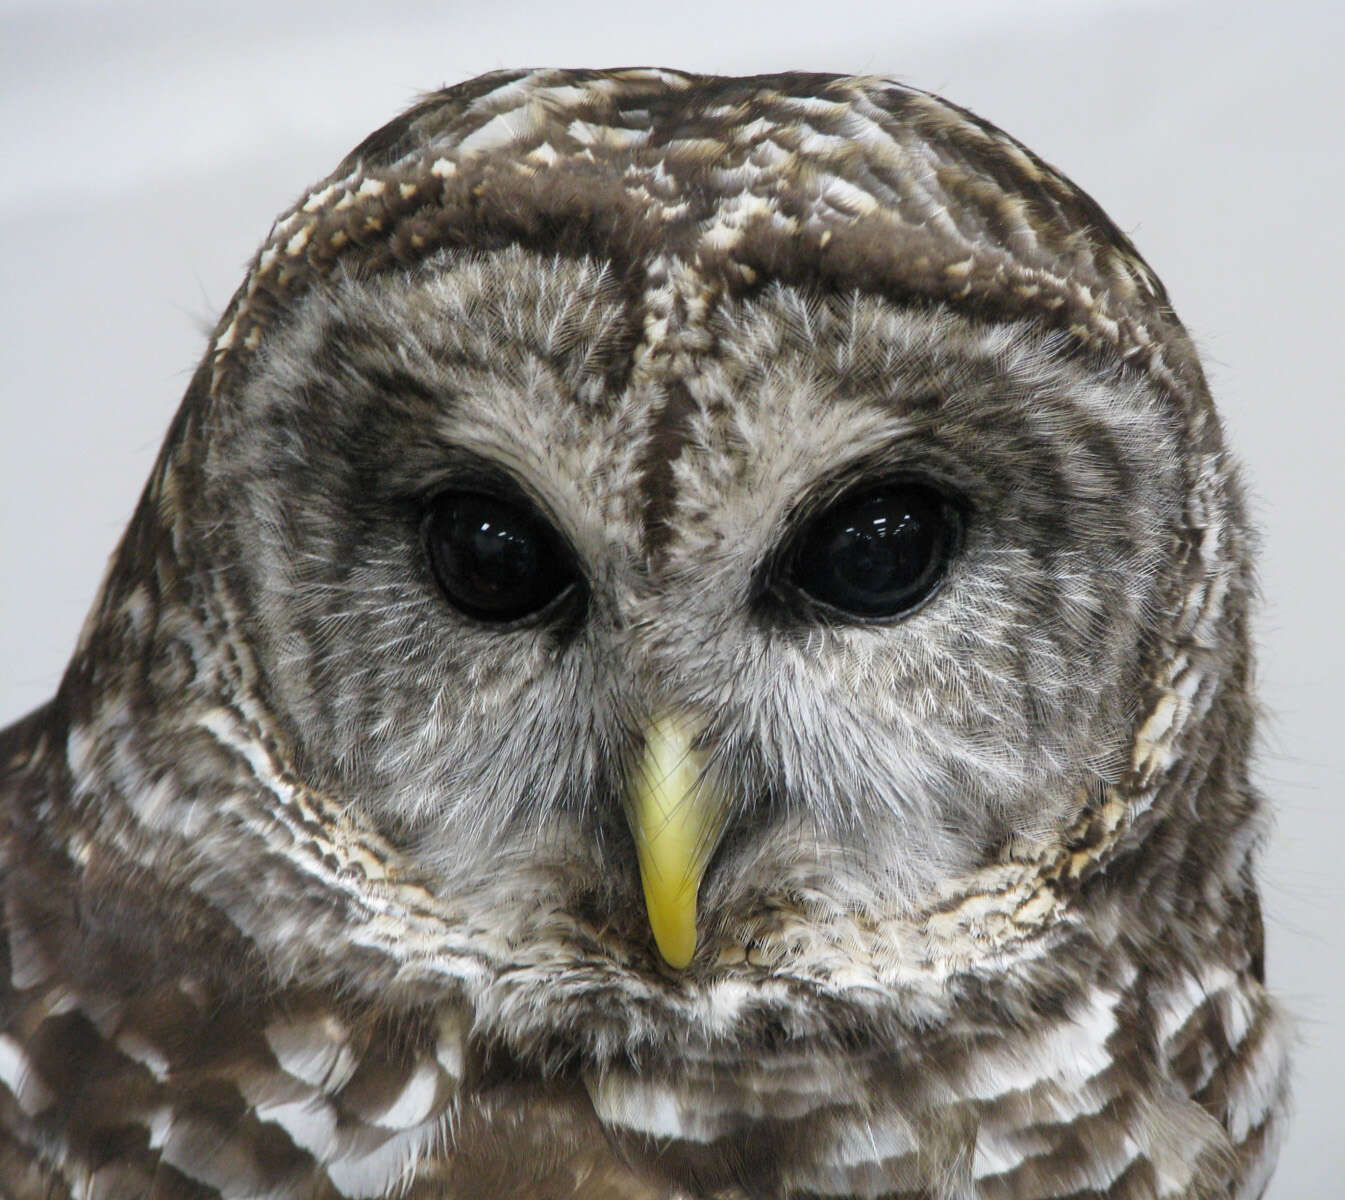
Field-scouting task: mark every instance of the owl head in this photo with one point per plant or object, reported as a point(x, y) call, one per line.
point(646, 551)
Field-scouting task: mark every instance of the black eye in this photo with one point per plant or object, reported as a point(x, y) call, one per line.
point(495, 559)
point(878, 554)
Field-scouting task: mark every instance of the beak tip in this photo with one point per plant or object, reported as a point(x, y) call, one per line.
point(677, 949)
point(672, 921)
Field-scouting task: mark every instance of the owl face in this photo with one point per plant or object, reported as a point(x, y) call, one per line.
point(642, 565)
point(479, 546)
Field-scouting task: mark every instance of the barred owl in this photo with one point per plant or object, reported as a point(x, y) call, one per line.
point(688, 639)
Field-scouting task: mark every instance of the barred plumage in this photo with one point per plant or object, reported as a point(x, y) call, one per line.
point(315, 886)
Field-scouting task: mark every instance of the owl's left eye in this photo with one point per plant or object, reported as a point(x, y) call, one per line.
point(880, 553)
point(495, 559)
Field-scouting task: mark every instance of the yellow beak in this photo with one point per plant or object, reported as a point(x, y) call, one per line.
point(677, 819)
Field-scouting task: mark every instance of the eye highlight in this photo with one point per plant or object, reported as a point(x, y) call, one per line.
point(495, 559)
point(880, 553)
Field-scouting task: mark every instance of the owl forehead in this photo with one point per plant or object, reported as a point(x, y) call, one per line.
point(537, 365)
point(537, 368)
point(821, 181)
point(782, 392)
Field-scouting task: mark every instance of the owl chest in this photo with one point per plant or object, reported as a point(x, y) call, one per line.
point(308, 1106)
point(168, 1094)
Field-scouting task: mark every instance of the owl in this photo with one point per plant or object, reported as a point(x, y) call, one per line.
point(688, 639)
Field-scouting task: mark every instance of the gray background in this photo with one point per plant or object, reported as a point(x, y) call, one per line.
point(146, 147)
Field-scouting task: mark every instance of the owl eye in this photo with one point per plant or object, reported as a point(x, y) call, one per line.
point(495, 559)
point(879, 554)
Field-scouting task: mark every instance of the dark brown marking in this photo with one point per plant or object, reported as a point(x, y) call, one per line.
point(658, 488)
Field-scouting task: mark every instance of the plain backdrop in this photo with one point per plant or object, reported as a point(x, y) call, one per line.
point(146, 147)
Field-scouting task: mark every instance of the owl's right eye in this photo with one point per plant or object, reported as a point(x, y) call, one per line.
point(495, 559)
